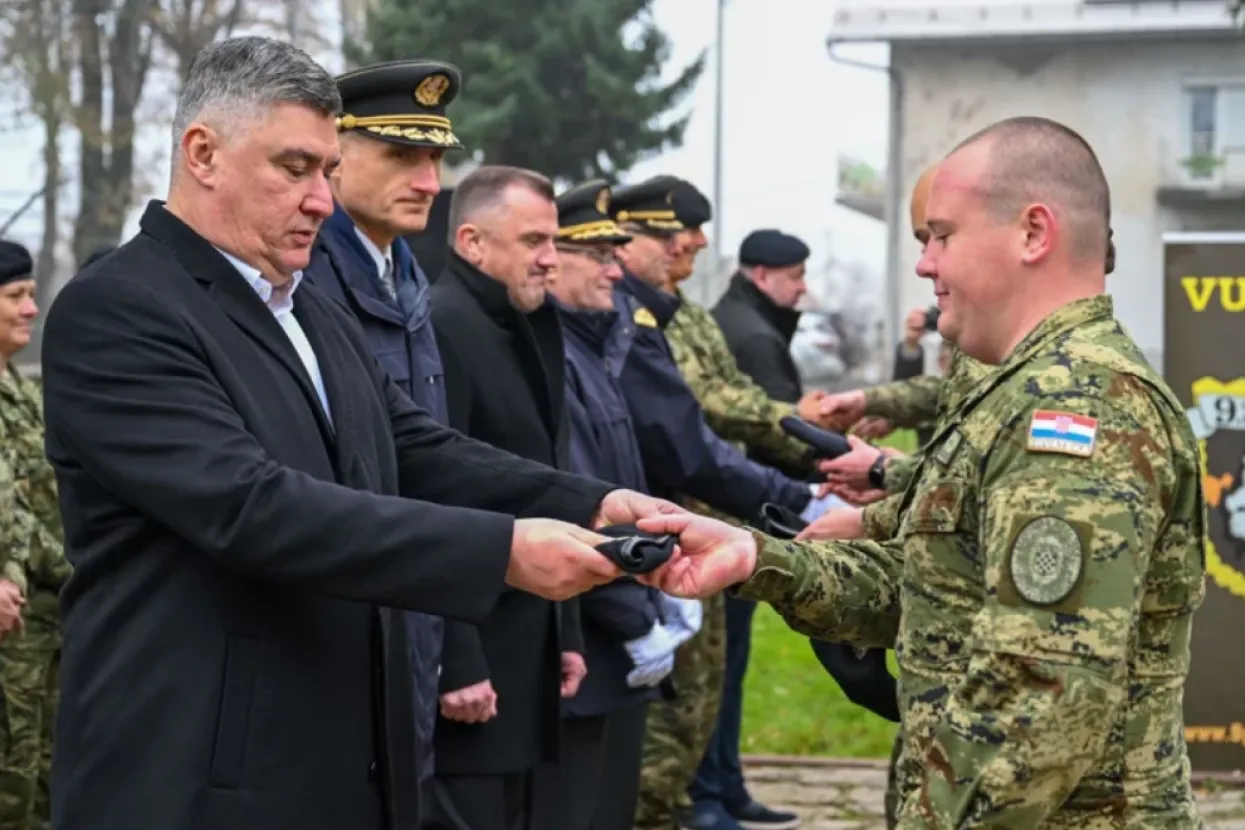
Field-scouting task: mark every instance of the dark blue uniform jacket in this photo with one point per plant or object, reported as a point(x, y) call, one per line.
point(401, 337)
point(681, 454)
point(603, 446)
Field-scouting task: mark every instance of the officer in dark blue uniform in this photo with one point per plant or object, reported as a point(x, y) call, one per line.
point(393, 131)
point(681, 453)
point(630, 631)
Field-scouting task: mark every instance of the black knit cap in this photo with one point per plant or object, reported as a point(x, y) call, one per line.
point(15, 262)
point(772, 249)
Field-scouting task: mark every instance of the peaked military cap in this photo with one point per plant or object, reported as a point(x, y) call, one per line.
point(649, 204)
point(15, 262)
point(691, 207)
point(584, 215)
point(772, 249)
point(401, 101)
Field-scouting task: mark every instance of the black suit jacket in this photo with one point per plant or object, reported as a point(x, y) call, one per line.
point(224, 662)
point(504, 384)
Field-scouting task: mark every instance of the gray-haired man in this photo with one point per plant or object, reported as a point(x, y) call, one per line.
point(242, 487)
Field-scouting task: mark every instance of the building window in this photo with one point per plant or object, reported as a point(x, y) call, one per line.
point(1216, 127)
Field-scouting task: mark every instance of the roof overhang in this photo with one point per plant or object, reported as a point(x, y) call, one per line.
point(936, 24)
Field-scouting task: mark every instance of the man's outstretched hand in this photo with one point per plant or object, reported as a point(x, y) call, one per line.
point(626, 507)
point(712, 555)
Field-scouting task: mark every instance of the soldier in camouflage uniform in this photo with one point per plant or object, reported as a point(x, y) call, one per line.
point(1050, 553)
point(36, 564)
point(738, 410)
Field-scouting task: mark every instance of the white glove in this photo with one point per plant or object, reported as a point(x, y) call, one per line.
point(650, 674)
point(653, 656)
point(683, 617)
point(817, 506)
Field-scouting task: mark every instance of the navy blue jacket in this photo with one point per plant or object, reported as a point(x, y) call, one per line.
point(603, 446)
point(401, 337)
point(681, 453)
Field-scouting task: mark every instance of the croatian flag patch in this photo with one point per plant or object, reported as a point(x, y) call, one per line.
point(1062, 432)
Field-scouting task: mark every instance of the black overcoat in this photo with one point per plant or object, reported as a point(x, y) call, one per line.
point(225, 664)
point(504, 384)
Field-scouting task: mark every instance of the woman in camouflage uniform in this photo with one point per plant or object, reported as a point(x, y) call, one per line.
point(32, 561)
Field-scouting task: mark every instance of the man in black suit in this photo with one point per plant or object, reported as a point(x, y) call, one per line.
point(242, 486)
point(501, 348)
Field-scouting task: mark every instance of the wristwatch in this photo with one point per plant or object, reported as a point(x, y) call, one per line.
point(877, 473)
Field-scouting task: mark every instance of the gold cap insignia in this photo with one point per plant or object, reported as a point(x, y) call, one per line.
point(603, 201)
point(644, 317)
point(670, 198)
point(430, 90)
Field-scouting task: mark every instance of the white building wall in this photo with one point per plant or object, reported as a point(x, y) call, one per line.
point(1126, 99)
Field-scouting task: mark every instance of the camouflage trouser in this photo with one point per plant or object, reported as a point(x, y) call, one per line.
point(679, 730)
point(29, 660)
point(891, 800)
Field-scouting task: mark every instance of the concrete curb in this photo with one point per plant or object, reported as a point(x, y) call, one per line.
point(1235, 780)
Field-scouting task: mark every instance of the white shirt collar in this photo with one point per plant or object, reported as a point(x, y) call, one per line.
point(283, 302)
point(379, 257)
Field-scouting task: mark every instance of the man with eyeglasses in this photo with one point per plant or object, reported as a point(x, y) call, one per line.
point(678, 730)
point(630, 631)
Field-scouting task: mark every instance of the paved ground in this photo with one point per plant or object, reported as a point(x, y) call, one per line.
point(843, 797)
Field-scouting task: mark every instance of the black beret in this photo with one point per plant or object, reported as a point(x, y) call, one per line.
point(772, 249)
point(401, 101)
point(584, 215)
point(691, 207)
point(15, 262)
point(649, 205)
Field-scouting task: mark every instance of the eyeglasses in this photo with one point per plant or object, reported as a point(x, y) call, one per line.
point(601, 256)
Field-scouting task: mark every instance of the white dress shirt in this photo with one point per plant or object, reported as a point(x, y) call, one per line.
point(281, 304)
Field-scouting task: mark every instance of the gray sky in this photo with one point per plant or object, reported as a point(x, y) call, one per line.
point(789, 112)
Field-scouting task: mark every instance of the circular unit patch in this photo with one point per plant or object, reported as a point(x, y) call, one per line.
point(1046, 560)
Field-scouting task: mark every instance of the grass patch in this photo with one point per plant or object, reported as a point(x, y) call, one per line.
point(904, 440)
point(792, 707)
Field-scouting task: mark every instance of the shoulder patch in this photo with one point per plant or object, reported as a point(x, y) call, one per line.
point(949, 447)
point(1046, 560)
point(1062, 432)
point(644, 317)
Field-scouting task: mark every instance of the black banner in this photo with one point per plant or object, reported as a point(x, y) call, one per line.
point(1204, 363)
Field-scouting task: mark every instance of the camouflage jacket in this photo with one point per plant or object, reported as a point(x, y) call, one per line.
point(1049, 561)
point(34, 491)
point(881, 518)
point(736, 408)
point(908, 404)
point(15, 526)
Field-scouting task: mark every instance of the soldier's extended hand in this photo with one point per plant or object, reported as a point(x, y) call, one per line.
point(872, 427)
point(839, 523)
point(842, 410)
point(854, 497)
point(556, 560)
point(712, 555)
point(809, 406)
point(852, 468)
point(11, 604)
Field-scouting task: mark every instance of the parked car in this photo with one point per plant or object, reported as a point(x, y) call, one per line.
point(815, 350)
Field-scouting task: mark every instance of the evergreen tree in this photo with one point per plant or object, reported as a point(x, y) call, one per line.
point(571, 88)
